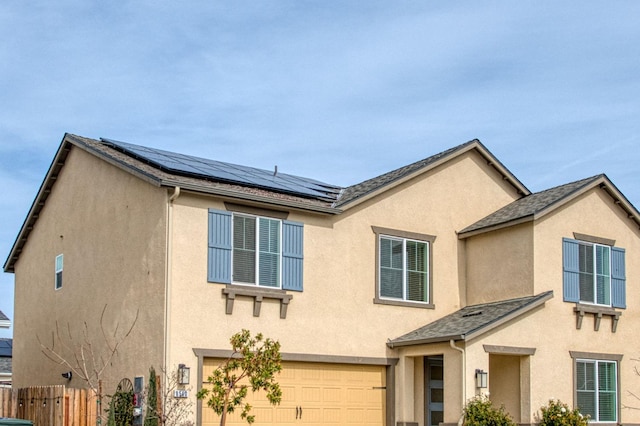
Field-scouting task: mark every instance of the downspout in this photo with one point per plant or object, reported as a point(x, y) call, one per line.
point(168, 271)
point(464, 380)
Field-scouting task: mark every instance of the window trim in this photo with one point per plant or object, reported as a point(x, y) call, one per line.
point(571, 271)
point(405, 235)
point(58, 272)
point(257, 251)
point(597, 357)
point(220, 247)
point(595, 275)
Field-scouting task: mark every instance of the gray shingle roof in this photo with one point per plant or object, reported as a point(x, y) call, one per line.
point(3, 317)
point(470, 321)
point(528, 206)
point(362, 189)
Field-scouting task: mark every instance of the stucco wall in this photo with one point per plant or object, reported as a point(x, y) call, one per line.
point(335, 314)
point(551, 330)
point(500, 264)
point(110, 227)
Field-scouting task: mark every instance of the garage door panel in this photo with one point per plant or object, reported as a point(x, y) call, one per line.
point(332, 395)
point(317, 394)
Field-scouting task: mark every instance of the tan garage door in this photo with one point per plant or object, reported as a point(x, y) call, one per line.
point(316, 394)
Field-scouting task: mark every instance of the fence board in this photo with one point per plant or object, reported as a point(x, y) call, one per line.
point(49, 405)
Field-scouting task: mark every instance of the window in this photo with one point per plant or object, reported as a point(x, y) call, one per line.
point(594, 273)
point(597, 388)
point(254, 250)
point(59, 266)
point(403, 267)
point(256, 260)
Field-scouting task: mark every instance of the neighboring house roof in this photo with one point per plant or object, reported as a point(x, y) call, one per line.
point(4, 320)
point(6, 349)
point(537, 205)
point(471, 321)
point(364, 190)
point(159, 168)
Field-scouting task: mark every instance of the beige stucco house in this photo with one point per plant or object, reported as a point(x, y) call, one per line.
point(395, 300)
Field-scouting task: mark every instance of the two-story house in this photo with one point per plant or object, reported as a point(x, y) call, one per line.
point(395, 300)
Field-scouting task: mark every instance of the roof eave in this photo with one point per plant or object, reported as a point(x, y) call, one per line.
point(508, 224)
point(475, 144)
point(601, 182)
point(440, 339)
point(510, 316)
point(472, 334)
point(619, 199)
point(70, 140)
point(38, 203)
point(239, 195)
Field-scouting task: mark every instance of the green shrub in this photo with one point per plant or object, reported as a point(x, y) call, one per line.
point(480, 412)
point(557, 413)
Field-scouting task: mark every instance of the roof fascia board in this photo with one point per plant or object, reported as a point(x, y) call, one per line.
point(68, 141)
point(521, 220)
point(477, 145)
point(496, 164)
point(602, 182)
point(480, 330)
point(5, 324)
point(567, 199)
point(38, 202)
point(507, 318)
point(620, 200)
point(440, 339)
point(148, 177)
point(237, 195)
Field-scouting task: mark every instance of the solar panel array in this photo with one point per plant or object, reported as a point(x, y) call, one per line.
point(188, 165)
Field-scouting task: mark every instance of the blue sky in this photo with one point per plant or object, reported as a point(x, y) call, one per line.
point(340, 91)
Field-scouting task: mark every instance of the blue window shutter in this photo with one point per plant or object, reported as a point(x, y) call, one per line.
point(571, 271)
point(292, 255)
point(219, 254)
point(618, 278)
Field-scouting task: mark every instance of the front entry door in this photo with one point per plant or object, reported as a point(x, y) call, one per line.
point(434, 395)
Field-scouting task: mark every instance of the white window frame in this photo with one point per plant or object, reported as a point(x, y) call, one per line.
point(594, 247)
point(59, 267)
point(404, 268)
point(257, 251)
point(597, 392)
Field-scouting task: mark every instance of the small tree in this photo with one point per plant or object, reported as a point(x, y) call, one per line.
point(151, 418)
point(168, 410)
point(253, 364)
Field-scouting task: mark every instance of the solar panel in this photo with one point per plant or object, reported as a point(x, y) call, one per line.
point(187, 165)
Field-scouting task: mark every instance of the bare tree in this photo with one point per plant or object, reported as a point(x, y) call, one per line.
point(634, 395)
point(84, 357)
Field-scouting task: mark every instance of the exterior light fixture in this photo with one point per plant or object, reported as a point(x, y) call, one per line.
point(183, 374)
point(67, 375)
point(481, 379)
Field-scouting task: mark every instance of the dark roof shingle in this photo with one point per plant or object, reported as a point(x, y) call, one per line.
point(530, 205)
point(470, 321)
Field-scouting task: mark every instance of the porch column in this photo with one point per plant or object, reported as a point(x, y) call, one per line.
point(405, 385)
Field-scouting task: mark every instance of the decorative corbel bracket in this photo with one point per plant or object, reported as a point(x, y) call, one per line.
point(258, 294)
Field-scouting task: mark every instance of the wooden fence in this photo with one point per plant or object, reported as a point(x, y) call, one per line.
point(50, 405)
